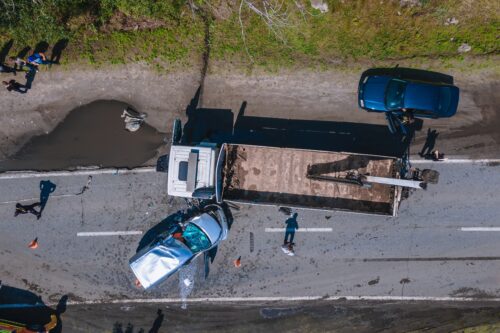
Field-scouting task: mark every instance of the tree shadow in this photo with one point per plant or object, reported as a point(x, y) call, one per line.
point(204, 124)
point(410, 74)
point(42, 47)
point(28, 309)
point(118, 327)
point(157, 323)
point(57, 49)
point(24, 52)
point(216, 126)
point(4, 51)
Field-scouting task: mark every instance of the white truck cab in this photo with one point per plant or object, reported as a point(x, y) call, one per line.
point(191, 168)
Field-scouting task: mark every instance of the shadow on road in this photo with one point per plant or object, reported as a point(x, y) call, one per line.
point(27, 310)
point(219, 126)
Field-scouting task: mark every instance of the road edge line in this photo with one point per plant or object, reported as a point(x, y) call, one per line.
point(86, 172)
point(289, 299)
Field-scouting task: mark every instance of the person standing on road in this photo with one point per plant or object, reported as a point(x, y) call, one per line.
point(25, 209)
point(291, 227)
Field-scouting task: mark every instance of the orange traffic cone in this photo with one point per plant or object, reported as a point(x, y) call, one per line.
point(138, 283)
point(33, 244)
point(237, 262)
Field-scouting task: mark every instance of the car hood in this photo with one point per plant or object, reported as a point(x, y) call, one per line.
point(373, 92)
point(421, 96)
point(158, 262)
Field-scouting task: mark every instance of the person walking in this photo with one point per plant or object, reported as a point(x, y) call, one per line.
point(291, 227)
point(25, 209)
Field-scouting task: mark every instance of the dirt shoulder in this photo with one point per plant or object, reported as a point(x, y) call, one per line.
point(324, 96)
point(287, 317)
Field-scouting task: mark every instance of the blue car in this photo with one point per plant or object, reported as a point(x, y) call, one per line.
point(383, 93)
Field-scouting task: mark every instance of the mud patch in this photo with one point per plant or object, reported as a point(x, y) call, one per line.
point(471, 292)
point(91, 135)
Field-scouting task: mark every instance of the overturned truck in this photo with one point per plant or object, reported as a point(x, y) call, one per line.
point(289, 177)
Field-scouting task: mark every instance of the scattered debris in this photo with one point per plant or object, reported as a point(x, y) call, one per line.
point(288, 249)
point(464, 48)
point(410, 3)
point(86, 187)
point(285, 210)
point(451, 21)
point(237, 262)
point(320, 5)
point(33, 244)
point(252, 242)
point(133, 119)
point(186, 282)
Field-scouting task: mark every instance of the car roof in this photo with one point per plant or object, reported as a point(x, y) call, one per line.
point(209, 226)
point(157, 262)
point(422, 96)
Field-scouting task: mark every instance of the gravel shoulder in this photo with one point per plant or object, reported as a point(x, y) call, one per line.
point(324, 96)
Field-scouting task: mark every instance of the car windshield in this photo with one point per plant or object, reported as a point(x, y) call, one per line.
point(394, 94)
point(196, 239)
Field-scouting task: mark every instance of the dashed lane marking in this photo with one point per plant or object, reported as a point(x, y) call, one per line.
point(120, 171)
point(458, 161)
point(109, 233)
point(480, 228)
point(109, 171)
point(300, 230)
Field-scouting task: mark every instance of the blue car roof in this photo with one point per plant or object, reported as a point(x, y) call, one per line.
point(421, 96)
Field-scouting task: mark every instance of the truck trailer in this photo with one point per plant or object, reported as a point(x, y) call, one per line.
point(289, 177)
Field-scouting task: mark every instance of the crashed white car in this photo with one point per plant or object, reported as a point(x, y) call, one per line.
point(182, 243)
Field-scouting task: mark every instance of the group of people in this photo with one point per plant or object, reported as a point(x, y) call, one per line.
point(30, 66)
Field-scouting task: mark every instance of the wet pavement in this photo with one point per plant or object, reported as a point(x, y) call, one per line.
point(91, 135)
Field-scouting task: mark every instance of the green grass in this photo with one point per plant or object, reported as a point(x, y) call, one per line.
point(351, 31)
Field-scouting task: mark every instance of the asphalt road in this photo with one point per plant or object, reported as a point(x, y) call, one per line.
point(421, 253)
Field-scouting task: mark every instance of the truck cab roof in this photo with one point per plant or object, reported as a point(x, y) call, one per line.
point(190, 168)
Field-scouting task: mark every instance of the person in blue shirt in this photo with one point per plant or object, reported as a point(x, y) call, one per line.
point(37, 59)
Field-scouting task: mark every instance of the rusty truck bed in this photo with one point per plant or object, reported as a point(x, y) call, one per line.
point(277, 176)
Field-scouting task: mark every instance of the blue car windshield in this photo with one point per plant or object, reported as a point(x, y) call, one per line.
point(394, 95)
point(196, 239)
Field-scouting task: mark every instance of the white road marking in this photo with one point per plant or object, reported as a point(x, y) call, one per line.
point(457, 161)
point(285, 299)
point(110, 171)
point(109, 233)
point(480, 228)
point(300, 230)
point(121, 171)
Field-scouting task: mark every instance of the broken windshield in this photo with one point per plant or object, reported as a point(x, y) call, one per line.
point(196, 239)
